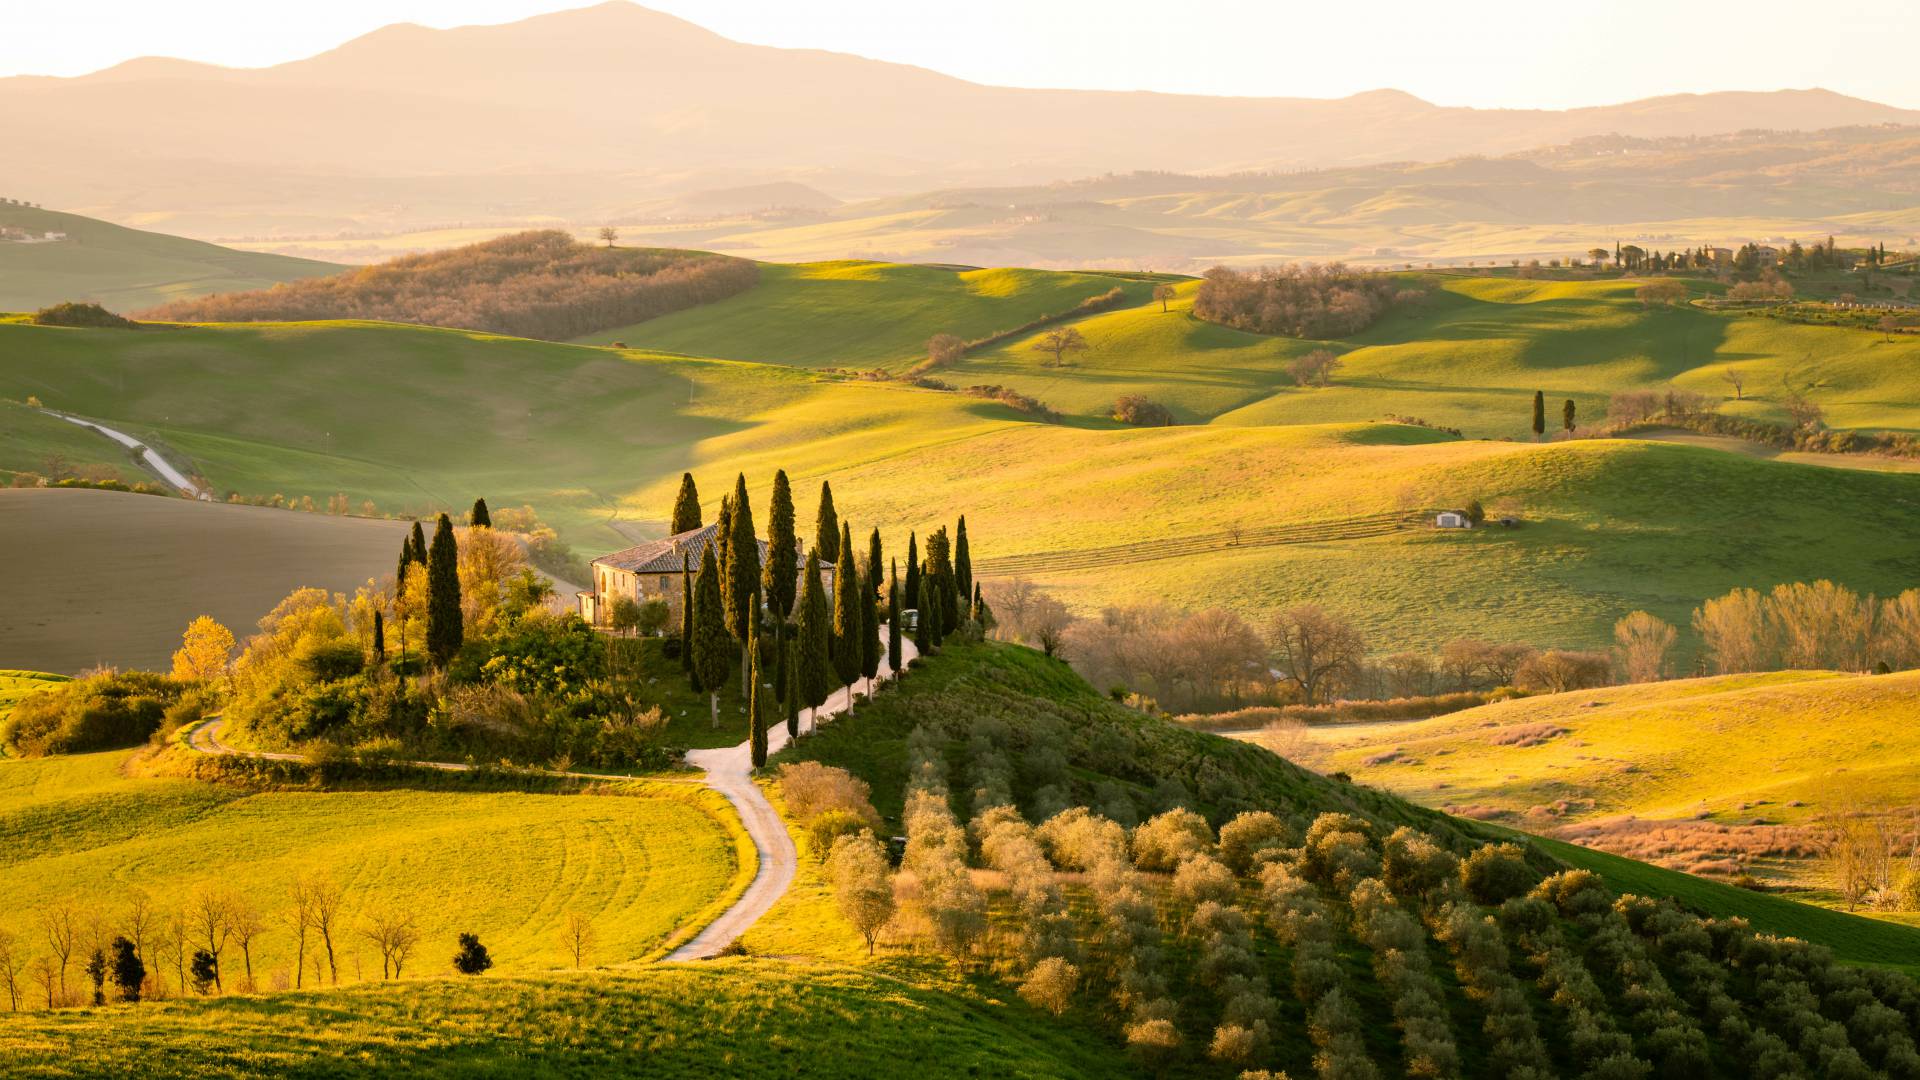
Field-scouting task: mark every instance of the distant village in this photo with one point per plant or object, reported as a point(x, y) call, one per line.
point(14, 234)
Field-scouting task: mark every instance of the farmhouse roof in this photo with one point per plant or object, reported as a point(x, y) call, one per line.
point(669, 555)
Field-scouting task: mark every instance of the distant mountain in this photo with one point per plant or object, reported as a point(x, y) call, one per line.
point(124, 269)
point(581, 113)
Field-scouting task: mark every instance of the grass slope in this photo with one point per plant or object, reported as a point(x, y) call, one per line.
point(597, 439)
point(117, 577)
point(640, 862)
point(127, 269)
point(16, 686)
point(858, 314)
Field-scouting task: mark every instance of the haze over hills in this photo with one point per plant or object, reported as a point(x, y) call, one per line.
point(589, 114)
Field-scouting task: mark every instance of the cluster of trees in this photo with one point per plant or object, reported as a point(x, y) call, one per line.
point(147, 949)
point(791, 639)
point(540, 284)
point(1298, 301)
point(1141, 411)
point(86, 314)
point(1802, 626)
point(98, 710)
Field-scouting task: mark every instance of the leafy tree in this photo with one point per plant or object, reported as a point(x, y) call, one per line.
point(1567, 412)
point(205, 649)
point(609, 234)
point(848, 623)
point(444, 631)
point(713, 647)
point(757, 705)
point(1539, 414)
point(826, 527)
point(472, 959)
point(623, 615)
point(686, 507)
point(478, 517)
point(862, 887)
point(1163, 292)
point(962, 564)
point(813, 669)
point(96, 969)
point(742, 578)
point(783, 550)
point(128, 970)
point(894, 615)
point(1058, 343)
point(206, 971)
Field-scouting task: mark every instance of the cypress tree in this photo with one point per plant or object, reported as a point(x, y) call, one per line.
point(790, 684)
point(874, 566)
point(826, 527)
point(911, 587)
point(713, 647)
point(742, 579)
point(848, 624)
point(444, 629)
point(1539, 414)
point(419, 541)
point(686, 507)
point(962, 566)
point(686, 618)
point(478, 517)
point(756, 708)
point(781, 575)
point(893, 623)
point(1566, 416)
point(379, 637)
point(870, 647)
point(813, 640)
point(982, 614)
point(406, 560)
point(923, 626)
point(939, 574)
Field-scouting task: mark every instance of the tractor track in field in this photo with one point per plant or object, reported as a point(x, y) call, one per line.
point(1305, 532)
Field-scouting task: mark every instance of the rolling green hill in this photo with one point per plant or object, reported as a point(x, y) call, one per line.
point(126, 269)
point(596, 440)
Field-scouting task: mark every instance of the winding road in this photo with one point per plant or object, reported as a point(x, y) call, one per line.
point(147, 453)
point(729, 771)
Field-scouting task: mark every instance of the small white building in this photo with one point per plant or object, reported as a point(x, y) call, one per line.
point(1452, 519)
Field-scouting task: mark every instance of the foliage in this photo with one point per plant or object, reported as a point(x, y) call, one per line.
point(540, 284)
point(93, 712)
point(472, 958)
point(1298, 301)
point(82, 314)
point(1137, 410)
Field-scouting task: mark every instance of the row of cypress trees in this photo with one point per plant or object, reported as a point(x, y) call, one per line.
point(820, 639)
point(440, 561)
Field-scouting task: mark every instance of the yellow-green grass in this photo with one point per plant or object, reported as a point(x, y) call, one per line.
point(597, 439)
point(106, 577)
point(642, 862)
point(854, 314)
point(127, 269)
point(17, 686)
point(1720, 746)
point(39, 445)
point(733, 1017)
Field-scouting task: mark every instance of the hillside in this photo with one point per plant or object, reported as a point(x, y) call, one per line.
point(532, 284)
point(1594, 546)
point(152, 565)
point(125, 269)
point(1721, 773)
point(410, 126)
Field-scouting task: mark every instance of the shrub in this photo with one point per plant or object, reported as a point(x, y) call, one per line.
point(1250, 838)
point(1496, 873)
point(1137, 410)
point(1200, 880)
point(1414, 865)
point(1298, 301)
point(827, 827)
point(472, 959)
point(87, 315)
point(811, 789)
point(1165, 841)
point(95, 712)
point(1050, 985)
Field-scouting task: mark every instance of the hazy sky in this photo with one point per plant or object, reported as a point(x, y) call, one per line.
point(1487, 53)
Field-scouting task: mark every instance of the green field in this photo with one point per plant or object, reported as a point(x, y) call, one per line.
point(119, 576)
point(127, 269)
point(596, 440)
point(17, 685)
point(641, 862)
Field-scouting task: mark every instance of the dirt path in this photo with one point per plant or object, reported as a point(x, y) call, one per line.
point(154, 461)
point(729, 771)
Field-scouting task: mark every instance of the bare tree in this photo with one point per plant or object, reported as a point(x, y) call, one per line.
point(1058, 343)
point(1313, 647)
point(1315, 368)
point(211, 914)
point(1738, 380)
point(577, 937)
point(247, 924)
point(138, 924)
point(10, 964)
point(1047, 624)
point(1887, 325)
point(44, 971)
point(1163, 292)
point(945, 349)
point(394, 934)
point(175, 931)
point(323, 899)
point(1822, 625)
point(1897, 638)
point(61, 927)
point(1221, 649)
point(1735, 631)
point(1410, 674)
point(609, 234)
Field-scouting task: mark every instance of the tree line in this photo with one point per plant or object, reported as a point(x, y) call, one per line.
point(539, 284)
point(1313, 301)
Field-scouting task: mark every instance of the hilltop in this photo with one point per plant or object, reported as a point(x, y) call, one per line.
point(124, 269)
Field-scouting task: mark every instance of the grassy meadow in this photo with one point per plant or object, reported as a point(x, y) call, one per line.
point(640, 861)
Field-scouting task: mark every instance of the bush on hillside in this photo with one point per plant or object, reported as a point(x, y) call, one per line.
point(540, 284)
point(1298, 301)
point(96, 712)
point(82, 315)
point(1137, 410)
